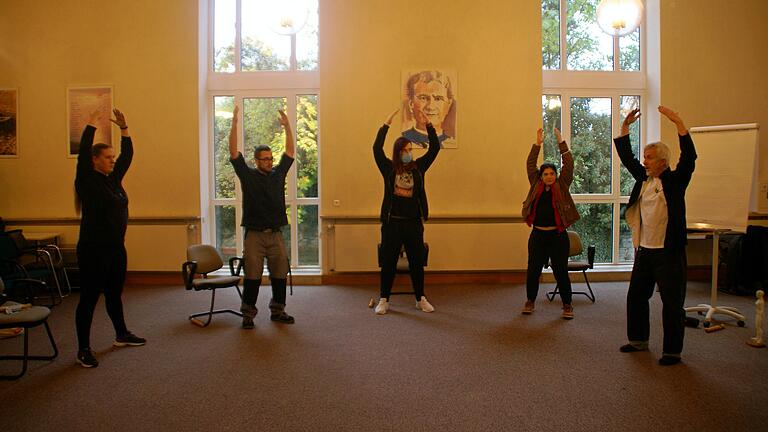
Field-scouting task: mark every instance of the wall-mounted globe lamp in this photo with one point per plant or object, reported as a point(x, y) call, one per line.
point(619, 17)
point(287, 17)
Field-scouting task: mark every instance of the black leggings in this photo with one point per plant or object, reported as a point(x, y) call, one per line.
point(553, 247)
point(395, 234)
point(101, 268)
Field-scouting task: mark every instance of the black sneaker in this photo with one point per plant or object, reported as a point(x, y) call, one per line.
point(629, 348)
point(86, 359)
point(668, 360)
point(247, 323)
point(282, 317)
point(129, 339)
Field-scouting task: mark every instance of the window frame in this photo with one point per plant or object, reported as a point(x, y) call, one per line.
point(600, 84)
point(255, 84)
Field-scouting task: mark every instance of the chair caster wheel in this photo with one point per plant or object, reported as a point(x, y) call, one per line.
point(371, 303)
point(741, 323)
point(707, 324)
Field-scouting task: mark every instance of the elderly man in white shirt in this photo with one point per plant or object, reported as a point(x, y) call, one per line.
point(656, 215)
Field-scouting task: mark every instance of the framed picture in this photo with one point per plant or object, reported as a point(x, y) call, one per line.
point(9, 123)
point(429, 95)
point(82, 102)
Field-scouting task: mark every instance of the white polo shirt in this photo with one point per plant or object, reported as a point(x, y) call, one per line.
point(653, 214)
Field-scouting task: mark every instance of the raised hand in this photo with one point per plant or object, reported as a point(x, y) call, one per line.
point(388, 121)
point(284, 119)
point(119, 119)
point(558, 135)
point(631, 118)
point(674, 117)
point(540, 136)
point(94, 117)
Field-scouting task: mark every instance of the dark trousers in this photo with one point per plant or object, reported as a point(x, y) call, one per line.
point(251, 291)
point(553, 247)
point(102, 268)
point(394, 235)
point(667, 269)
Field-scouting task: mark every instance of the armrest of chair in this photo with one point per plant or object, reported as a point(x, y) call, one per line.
point(23, 290)
point(235, 270)
point(591, 256)
point(7, 265)
point(188, 270)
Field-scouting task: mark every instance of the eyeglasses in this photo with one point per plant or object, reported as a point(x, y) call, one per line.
point(270, 159)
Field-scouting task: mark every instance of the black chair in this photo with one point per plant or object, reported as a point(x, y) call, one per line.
point(401, 267)
point(573, 266)
point(202, 260)
point(24, 315)
point(45, 263)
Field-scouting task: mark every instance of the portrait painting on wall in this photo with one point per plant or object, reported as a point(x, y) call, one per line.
point(429, 95)
point(9, 122)
point(81, 103)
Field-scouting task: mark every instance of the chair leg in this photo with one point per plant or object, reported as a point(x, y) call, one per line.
point(551, 295)
point(26, 357)
point(591, 294)
point(212, 312)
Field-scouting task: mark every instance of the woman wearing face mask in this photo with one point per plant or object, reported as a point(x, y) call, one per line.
point(549, 209)
point(403, 211)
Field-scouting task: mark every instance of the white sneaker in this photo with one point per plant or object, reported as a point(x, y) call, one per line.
point(424, 305)
point(382, 307)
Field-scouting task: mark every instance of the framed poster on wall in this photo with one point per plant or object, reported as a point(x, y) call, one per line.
point(82, 104)
point(9, 123)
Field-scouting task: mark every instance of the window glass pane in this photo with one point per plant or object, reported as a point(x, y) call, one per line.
point(550, 34)
point(287, 233)
point(308, 244)
point(224, 35)
point(262, 49)
point(551, 112)
point(626, 249)
point(261, 124)
point(588, 48)
point(223, 171)
point(306, 41)
point(595, 228)
point(306, 146)
point(629, 51)
point(628, 103)
point(591, 145)
point(225, 231)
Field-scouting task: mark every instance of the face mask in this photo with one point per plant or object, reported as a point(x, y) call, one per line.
point(406, 157)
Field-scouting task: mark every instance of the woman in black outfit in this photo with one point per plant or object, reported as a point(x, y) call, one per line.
point(403, 210)
point(101, 246)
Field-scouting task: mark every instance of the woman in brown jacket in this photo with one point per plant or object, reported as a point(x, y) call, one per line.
point(549, 209)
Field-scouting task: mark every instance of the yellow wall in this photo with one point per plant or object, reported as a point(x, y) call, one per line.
point(495, 50)
point(147, 50)
point(714, 58)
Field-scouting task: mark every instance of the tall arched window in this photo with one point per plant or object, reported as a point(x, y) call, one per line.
point(257, 59)
point(591, 80)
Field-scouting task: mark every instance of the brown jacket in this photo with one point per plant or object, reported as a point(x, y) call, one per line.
point(566, 209)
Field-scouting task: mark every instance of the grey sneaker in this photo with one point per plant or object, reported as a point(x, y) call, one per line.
point(282, 317)
point(528, 308)
point(247, 323)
